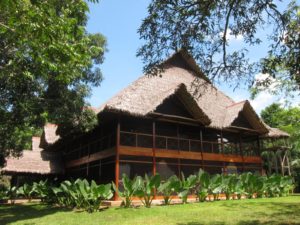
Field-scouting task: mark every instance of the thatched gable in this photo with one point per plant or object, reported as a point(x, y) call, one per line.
point(35, 161)
point(236, 110)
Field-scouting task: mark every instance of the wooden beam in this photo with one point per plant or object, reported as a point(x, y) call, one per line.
point(168, 116)
point(173, 154)
point(244, 129)
point(93, 157)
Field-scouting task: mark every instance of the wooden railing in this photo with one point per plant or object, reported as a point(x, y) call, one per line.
point(97, 145)
point(181, 144)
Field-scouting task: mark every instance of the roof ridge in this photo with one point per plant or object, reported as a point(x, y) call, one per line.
point(237, 103)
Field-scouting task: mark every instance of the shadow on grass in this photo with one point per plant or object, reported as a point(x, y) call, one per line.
point(13, 213)
point(197, 223)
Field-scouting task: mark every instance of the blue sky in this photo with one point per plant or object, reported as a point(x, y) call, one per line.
point(118, 21)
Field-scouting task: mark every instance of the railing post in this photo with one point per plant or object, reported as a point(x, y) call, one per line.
point(117, 166)
point(166, 143)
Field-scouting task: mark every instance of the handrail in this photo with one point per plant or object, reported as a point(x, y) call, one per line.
point(90, 143)
point(212, 146)
point(168, 137)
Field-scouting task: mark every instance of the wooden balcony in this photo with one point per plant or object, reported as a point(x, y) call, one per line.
point(139, 144)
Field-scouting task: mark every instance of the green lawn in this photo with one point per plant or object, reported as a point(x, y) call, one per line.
point(285, 210)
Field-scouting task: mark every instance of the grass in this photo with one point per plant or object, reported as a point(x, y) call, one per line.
point(284, 210)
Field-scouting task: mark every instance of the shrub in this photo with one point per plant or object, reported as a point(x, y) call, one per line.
point(168, 188)
point(26, 191)
point(130, 189)
point(147, 189)
point(186, 185)
point(203, 180)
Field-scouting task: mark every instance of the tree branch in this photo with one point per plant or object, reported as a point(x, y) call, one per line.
point(7, 27)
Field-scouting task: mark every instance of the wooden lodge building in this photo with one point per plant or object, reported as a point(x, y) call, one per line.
point(170, 124)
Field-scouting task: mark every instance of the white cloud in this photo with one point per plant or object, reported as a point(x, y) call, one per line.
point(231, 37)
point(268, 80)
point(262, 101)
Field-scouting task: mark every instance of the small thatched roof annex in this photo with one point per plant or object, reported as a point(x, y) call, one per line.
point(275, 133)
point(35, 161)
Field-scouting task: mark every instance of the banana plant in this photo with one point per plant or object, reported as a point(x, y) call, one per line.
point(239, 189)
point(42, 189)
point(12, 193)
point(228, 183)
point(215, 186)
point(249, 183)
point(273, 189)
point(260, 186)
point(27, 191)
point(286, 185)
point(94, 194)
point(59, 196)
point(203, 180)
point(147, 189)
point(67, 190)
point(82, 194)
point(186, 186)
point(168, 188)
point(130, 189)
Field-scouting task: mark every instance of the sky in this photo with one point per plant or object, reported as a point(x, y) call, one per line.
point(119, 21)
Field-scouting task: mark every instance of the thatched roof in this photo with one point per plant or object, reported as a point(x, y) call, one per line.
point(143, 96)
point(233, 111)
point(35, 161)
point(275, 133)
point(49, 135)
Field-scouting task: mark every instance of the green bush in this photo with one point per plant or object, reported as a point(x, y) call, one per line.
point(130, 189)
point(186, 186)
point(147, 189)
point(87, 195)
point(81, 194)
point(169, 188)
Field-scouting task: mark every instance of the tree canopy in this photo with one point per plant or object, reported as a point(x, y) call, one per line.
point(287, 119)
point(203, 27)
point(48, 63)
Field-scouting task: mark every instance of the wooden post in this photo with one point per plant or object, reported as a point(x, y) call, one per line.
point(153, 152)
point(179, 162)
point(153, 147)
point(242, 152)
point(222, 143)
point(117, 166)
point(88, 163)
point(259, 154)
point(201, 142)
